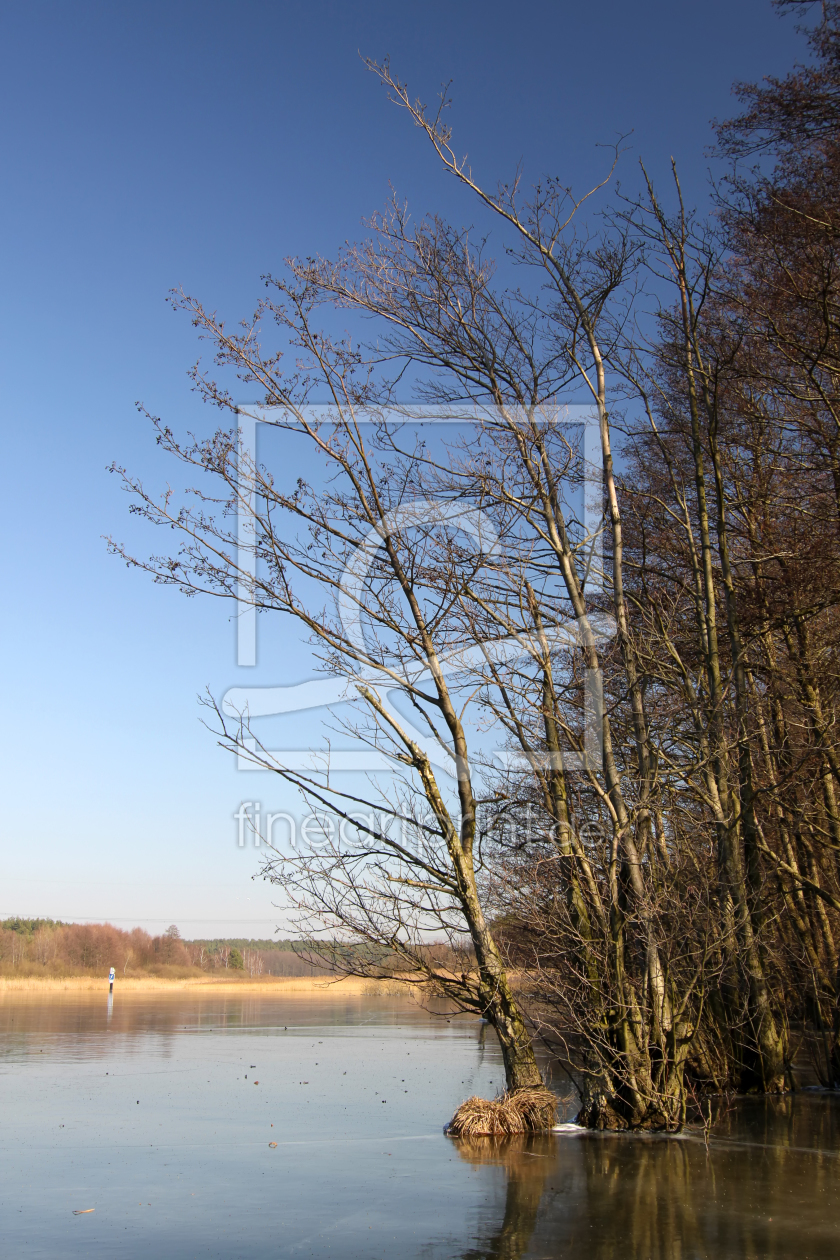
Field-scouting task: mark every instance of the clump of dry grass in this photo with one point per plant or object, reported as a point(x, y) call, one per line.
point(520, 1111)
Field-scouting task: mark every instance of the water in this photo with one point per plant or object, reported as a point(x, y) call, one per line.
point(149, 1112)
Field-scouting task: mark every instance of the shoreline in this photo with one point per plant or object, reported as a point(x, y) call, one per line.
point(279, 985)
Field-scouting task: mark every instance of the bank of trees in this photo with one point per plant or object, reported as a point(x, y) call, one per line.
point(41, 946)
point(45, 947)
point(647, 876)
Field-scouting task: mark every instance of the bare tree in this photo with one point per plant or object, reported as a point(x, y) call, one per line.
point(514, 353)
point(651, 857)
point(373, 578)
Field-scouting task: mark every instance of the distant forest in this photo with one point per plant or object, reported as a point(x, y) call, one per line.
point(49, 947)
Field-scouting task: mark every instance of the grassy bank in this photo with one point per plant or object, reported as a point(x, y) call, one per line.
point(323, 986)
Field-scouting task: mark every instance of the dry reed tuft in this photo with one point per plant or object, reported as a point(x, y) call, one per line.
point(521, 1111)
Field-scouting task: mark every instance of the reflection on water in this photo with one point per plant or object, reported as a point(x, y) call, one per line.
point(158, 1111)
point(765, 1187)
point(526, 1164)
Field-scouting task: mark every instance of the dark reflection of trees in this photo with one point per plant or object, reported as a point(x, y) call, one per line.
point(526, 1162)
point(639, 1200)
point(764, 1190)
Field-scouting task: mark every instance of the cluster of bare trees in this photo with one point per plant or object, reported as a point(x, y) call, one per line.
point(38, 945)
point(605, 706)
point(35, 946)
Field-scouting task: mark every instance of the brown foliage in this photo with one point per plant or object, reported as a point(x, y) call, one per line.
point(68, 948)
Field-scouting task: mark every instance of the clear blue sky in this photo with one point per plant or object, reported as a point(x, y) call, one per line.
point(150, 145)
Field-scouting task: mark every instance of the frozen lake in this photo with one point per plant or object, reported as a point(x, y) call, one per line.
point(148, 1110)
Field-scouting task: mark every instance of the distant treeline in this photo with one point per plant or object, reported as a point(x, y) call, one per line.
point(48, 946)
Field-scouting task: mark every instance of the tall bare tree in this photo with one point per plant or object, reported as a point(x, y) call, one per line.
point(647, 869)
point(372, 577)
point(513, 353)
